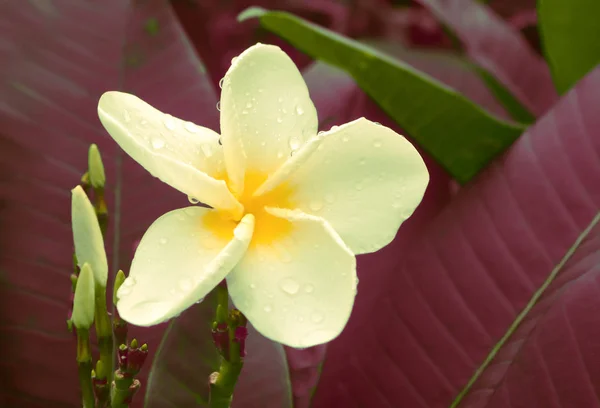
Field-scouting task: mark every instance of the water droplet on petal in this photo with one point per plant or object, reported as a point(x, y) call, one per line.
point(186, 284)
point(317, 317)
point(248, 105)
point(162, 241)
point(233, 60)
point(193, 200)
point(143, 122)
point(244, 112)
point(280, 99)
point(219, 106)
point(268, 308)
point(158, 143)
point(300, 319)
point(252, 286)
point(207, 150)
point(190, 127)
point(289, 286)
point(260, 90)
point(299, 110)
point(329, 198)
point(221, 82)
point(345, 139)
point(279, 120)
point(169, 122)
point(308, 288)
point(294, 142)
point(315, 205)
point(377, 143)
point(126, 116)
point(279, 155)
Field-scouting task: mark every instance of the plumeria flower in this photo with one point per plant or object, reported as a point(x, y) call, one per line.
point(290, 207)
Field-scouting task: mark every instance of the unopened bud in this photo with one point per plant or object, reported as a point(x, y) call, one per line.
point(89, 244)
point(240, 335)
point(95, 167)
point(83, 304)
point(136, 359)
point(119, 279)
point(122, 355)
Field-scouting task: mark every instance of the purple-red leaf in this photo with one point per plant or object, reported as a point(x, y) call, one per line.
point(463, 282)
point(500, 49)
point(187, 357)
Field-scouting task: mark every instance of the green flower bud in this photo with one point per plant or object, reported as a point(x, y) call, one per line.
point(83, 304)
point(89, 244)
point(119, 279)
point(95, 167)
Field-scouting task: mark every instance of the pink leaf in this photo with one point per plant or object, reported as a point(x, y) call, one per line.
point(531, 219)
point(500, 49)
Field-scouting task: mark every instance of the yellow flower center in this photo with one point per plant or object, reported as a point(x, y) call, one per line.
point(267, 227)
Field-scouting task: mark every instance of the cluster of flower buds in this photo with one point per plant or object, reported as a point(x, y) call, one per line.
point(230, 331)
point(131, 359)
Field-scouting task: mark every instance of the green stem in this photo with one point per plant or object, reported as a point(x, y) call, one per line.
point(84, 365)
point(104, 331)
point(222, 383)
point(123, 388)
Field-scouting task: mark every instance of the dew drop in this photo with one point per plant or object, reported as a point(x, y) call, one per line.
point(315, 205)
point(316, 317)
point(207, 150)
point(279, 120)
point(221, 82)
point(280, 99)
point(345, 139)
point(283, 110)
point(185, 284)
point(244, 112)
point(162, 241)
point(308, 288)
point(300, 319)
point(126, 116)
point(158, 143)
point(193, 200)
point(294, 142)
point(263, 143)
point(279, 155)
point(219, 106)
point(299, 110)
point(248, 105)
point(233, 60)
point(252, 286)
point(143, 122)
point(268, 308)
point(190, 127)
point(329, 198)
point(169, 122)
point(289, 286)
point(260, 90)
point(377, 143)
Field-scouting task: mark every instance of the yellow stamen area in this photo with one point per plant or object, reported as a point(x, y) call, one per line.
point(267, 228)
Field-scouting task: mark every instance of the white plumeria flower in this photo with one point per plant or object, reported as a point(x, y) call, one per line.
point(290, 207)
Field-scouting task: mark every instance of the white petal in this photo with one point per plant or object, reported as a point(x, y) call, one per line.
point(299, 289)
point(266, 111)
point(363, 178)
point(185, 156)
point(87, 237)
point(181, 258)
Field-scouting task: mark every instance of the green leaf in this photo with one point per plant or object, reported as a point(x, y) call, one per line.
point(460, 135)
point(570, 33)
point(187, 356)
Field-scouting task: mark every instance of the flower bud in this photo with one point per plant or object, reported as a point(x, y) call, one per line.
point(95, 167)
point(83, 303)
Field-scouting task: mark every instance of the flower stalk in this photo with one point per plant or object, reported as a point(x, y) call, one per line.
point(124, 386)
point(229, 335)
point(84, 365)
